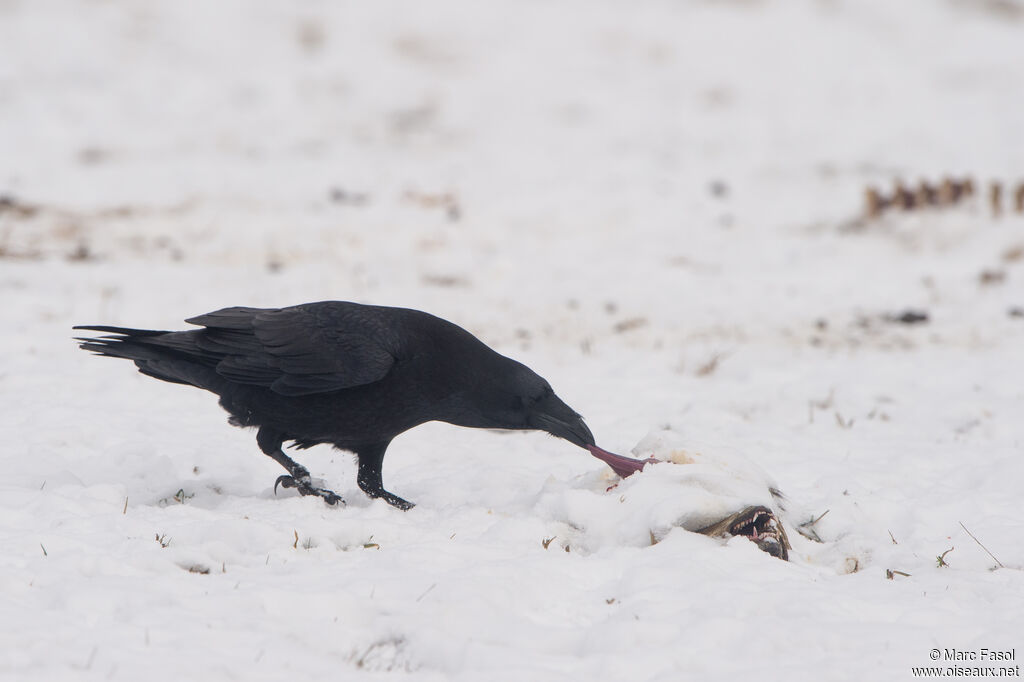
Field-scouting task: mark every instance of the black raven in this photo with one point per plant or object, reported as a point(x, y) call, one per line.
point(350, 375)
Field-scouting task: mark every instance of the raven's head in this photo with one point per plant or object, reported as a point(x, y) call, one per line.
point(538, 407)
point(509, 395)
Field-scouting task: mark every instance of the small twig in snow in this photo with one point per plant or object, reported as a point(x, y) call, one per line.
point(711, 364)
point(807, 528)
point(941, 559)
point(981, 545)
point(88, 662)
point(425, 593)
point(826, 402)
point(814, 521)
point(843, 423)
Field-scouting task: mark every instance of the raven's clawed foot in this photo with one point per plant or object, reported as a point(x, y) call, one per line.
point(395, 500)
point(305, 487)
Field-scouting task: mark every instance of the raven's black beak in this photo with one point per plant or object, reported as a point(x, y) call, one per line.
point(558, 419)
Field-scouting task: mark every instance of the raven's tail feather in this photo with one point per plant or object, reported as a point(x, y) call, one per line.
point(171, 356)
point(123, 331)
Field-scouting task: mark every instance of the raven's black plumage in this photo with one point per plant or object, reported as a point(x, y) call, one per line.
point(354, 376)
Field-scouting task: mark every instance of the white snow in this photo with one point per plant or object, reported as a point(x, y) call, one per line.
point(542, 174)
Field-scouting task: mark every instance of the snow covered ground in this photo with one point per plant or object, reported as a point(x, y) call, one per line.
point(653, 204)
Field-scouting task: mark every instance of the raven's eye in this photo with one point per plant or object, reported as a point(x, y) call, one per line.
point(532, 400)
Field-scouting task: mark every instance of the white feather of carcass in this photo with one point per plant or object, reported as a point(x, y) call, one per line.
point(692, 488)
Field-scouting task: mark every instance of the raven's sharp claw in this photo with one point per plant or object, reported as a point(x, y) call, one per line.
point(305, 488)
point(397, 502)
point(328, 496)
point(285, 481)
point(332, 499)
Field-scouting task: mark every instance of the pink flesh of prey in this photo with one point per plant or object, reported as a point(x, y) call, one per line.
point(623, 466)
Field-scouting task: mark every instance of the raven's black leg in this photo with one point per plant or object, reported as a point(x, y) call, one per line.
point(369, 476)
point(270, 442)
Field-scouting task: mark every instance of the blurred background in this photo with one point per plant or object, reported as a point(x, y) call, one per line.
point(524, 154)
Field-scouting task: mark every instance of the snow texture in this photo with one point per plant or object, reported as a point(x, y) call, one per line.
point(653, 204)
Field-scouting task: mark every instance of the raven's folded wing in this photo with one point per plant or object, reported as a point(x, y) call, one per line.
point(302, 350)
